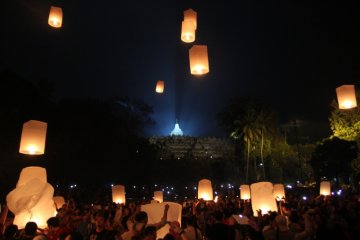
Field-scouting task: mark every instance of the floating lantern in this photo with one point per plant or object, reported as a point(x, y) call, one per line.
point(279, 191)
point(33, 138)
point(205, 190)
point(199, 63)
point(245, 192)
point(346, 96)
point(158, 196)
point(55, 17)
point(191, 16)
point(118, 194)
point(160, 86)
point(325, 188)
point(32, 199)
point(155, 212)
point(262, 197)
point(187, 31)
point(59, 201)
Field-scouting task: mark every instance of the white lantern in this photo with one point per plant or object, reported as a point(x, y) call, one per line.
point(32, 199)
point(55, 17)
point(346, 96)
point(205, 190)
point(199, 63)
point(187, 31)
point(325, 188)
point(160, 86)
point(279, 191)
point(155, 212)
point(245, 192)
point(158, 196)
point(33, 138)
point(191, 16)
point(118, 194)
point(262, 197)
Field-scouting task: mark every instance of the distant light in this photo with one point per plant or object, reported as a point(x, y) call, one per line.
point(261, 164)
point(134, 186)
point(289, 186)
point(304, 197)
point(112, 185)
point(221, 186)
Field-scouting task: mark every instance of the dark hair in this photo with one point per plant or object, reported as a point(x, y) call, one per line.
point(149, 230)
point(141, 216)
point(53, 222)
point(103, 214)
point(31, 228)
point(10, 231)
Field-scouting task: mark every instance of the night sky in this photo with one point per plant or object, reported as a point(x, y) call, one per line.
point(291, 54)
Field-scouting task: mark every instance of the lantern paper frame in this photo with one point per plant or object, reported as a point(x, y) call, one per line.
point(279, 191)
point(55, 17)
point(198, 57)
point(262, 197)
point(191, 16)
point(160, 86)
point(188, 31)
point(245, 192)
point(158, 196)
point(33, 138)
point(205, 190)
point(118, 194)
point(325, 188)
point(346, 96)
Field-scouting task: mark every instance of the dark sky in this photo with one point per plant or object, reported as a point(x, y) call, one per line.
point(292, 54)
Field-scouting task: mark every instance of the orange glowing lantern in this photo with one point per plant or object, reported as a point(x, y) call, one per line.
point(55, 17)
point(158, 196)
point(279, 191)
point(33, 138)
point(346, 96)
point(245, 192)
point(325, 188)
point(191, 16)
point(205, 190)
point(160, 85)
point(118, 194)
point(187, 31)
point(262, 197)
point(199, 63)
point(59, 201)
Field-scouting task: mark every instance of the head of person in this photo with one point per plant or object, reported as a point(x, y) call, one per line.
point(53, 224)
point(150, 233)
point(141, 219)
point(101, 218)
point(30, 228)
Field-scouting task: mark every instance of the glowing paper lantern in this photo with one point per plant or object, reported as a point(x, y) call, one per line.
point(262, 197)
point(191, 16)
point(187, 31)
point(32, 199)
point(33, 138)
point(59, 201)
point(158, 196)
point(279, 191)
point(346, 96)
point(155, 212)
point(160, 86)
point(245, 192)
point(325, 188)
point(118, 194)
point(205, 190)
point(55, 17)
point(199, 63)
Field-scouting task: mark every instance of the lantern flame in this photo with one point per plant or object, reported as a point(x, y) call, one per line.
point(55, 17)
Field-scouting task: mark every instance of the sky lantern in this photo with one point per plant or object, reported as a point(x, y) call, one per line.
point(346, 96)
point(32, 199)
point(245, 192)
point(205, 190)
point(279, 191)
point(191, 16)
point(33, 138)
point(262, 197)
point(187, 31)
point(160, 85)
point(158, 196)
point(118, 194)
point(55, 17)
point(59, 201)
point(325, 188)
point(199, 63)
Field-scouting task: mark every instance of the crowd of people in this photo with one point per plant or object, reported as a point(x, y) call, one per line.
point(317, 217)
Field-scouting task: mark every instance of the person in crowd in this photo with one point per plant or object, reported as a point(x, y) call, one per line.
point(29, 232)
point(100, 232)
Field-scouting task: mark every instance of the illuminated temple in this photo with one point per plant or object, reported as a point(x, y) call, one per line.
point(178, 146)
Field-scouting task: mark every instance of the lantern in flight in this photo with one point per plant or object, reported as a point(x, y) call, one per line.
point(191, 16)
point(325, 188)
point(199, 63)
point(205, 190)
point(262, 197)
point(118, 194)
point(55, 17)
point(279, 191)
point(187, 31)
point(245, 192)
point(158, 196)
point(160, 85)
point(33, 138)
point(346, 96)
